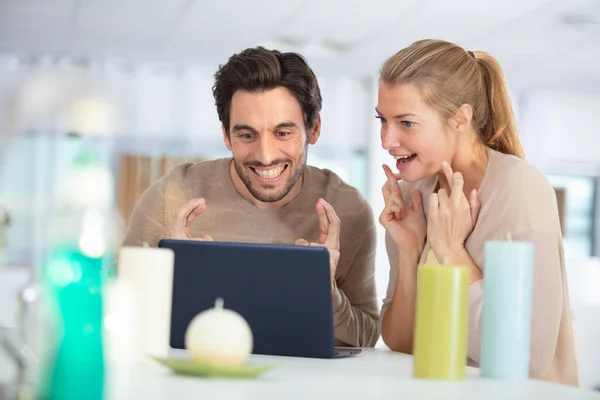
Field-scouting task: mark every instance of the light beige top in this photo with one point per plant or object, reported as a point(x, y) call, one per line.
point(230, 217)
point(516, 199)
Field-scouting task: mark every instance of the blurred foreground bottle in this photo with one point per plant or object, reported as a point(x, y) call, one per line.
point(4, 222)
point(80, 243)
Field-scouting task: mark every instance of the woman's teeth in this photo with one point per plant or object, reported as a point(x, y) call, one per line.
point(405, 158)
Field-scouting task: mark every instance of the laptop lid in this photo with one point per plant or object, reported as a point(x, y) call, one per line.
point(283, 291)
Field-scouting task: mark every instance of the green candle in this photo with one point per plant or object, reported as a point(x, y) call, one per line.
point(440, 337)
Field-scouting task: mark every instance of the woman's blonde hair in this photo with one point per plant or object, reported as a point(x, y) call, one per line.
point(448, 77)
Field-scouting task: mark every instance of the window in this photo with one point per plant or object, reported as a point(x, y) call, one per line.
point(576, 196)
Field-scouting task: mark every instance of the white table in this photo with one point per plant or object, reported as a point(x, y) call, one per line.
point(374, 374)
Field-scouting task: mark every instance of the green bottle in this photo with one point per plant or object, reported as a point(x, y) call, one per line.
point(77, 264)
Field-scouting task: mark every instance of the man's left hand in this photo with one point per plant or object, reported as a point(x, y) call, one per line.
point(329, 237)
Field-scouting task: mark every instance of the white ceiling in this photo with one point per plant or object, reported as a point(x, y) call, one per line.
point(537, 50)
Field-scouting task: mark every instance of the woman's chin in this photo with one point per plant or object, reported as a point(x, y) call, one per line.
point(411, 175)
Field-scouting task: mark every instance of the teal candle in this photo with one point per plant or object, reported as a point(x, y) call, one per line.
point(506, 320)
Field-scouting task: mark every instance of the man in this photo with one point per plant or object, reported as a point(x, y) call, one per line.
point(268, 103)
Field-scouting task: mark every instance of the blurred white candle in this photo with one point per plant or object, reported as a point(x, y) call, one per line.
point(146, 275)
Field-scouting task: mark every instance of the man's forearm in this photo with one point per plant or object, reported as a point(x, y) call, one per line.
point(353, 325)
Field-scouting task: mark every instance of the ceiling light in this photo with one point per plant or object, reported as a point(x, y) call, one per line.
point(585, 16)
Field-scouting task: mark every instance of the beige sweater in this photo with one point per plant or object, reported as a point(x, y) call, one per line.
point(516, 199)
point(229, 217)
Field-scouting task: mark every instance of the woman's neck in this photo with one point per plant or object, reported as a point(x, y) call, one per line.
point(471, 161)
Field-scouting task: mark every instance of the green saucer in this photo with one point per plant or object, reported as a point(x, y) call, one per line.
point(191, 368)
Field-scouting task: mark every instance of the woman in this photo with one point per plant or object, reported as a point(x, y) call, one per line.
point(447, 121)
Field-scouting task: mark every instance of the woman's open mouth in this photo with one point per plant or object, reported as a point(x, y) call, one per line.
point(403, 161)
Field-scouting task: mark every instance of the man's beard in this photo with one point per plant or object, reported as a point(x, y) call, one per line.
point(293, 178)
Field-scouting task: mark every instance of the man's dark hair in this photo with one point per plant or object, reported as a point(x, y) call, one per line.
point(258, 69)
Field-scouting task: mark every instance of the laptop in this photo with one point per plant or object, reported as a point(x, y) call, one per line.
point(283, 292)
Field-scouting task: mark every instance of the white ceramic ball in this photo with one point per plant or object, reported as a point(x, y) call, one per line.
point(219, 336)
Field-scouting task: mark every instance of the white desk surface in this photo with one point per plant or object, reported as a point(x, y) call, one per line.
point(374, 374)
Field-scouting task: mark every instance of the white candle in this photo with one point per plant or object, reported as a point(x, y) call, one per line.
point(145, 276)
point(219, 336)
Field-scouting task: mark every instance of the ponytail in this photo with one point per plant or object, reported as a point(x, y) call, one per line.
point(499, 129)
